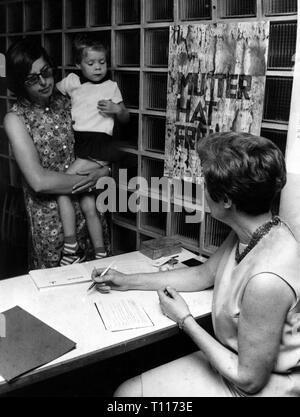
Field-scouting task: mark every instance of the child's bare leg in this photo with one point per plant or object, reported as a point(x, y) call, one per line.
point(71, 252)
point(88, 206)
point(67, 215)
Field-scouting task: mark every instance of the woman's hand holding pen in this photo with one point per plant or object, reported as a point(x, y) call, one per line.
point(112, 280)
point(172, 304)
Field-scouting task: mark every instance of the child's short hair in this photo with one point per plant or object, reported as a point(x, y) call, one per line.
point(87, 40)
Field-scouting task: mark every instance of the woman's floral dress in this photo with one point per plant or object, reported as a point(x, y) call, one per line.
point(51, 131)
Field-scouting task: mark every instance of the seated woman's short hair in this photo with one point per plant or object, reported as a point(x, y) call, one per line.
point(19, 59)
point(250, 170)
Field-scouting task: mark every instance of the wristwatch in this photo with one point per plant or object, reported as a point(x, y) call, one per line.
point(181, 321)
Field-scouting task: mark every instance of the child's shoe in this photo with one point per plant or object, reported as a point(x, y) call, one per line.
point(72, 258)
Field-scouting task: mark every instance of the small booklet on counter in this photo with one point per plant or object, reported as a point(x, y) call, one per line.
point(62, 275)
point(122, 314)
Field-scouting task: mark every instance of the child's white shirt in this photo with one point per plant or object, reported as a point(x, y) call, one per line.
point(84, 98)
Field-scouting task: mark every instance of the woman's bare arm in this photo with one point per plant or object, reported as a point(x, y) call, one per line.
point(265, 304)
point(40, 180)
point(197, 278)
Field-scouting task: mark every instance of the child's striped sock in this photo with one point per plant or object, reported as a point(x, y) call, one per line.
point(100, 252)
point(71, 252)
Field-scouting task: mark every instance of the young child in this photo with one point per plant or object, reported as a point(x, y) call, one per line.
point(96, 100)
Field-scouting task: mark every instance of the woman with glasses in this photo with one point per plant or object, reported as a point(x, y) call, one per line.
point(39, 128)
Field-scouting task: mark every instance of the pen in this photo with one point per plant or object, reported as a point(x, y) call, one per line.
point(102, 274)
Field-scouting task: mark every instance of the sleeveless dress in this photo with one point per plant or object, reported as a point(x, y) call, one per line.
point(278, 254)
point(51, 131)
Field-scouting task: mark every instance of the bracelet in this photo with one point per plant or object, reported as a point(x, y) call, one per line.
point(181, 321)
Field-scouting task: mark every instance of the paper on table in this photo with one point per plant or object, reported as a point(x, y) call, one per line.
point(122, 314)
point(63, 275)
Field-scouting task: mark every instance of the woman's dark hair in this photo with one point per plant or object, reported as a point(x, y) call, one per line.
point(87, 40)
point(19, 59)
point(250, 170)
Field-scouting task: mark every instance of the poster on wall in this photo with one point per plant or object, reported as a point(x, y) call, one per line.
point(216, 83)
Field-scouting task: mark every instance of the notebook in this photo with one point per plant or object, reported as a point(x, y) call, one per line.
point(61, 275)
point(28, 343)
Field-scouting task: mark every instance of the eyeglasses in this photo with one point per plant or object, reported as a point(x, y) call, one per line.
point(33, 79)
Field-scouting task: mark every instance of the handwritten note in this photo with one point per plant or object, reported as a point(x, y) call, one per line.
point(122, 314)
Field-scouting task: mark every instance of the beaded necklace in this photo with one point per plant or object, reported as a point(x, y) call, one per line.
point(256, 237)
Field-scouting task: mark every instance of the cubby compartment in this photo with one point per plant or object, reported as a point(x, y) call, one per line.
point(128, 48)
point(129, 82)
point(33, 15)
point(53, 14)
point(279, 137)
point(215, 233)
point(154, 215)
point(127, 12)
point(2, 80)
point(15, 17)
point(2, 18)
point(278, 98)
point(237, 8)
point(3, 86)
point(123, 207)
point(188, 194)
point(37, 39)
point(159, 10)
point(155, 96)
point(3, 142)
point(100, 13)
point(154, 133)
point(124, 240)
point(275, 7)
point(128, 133)
point(152, 168)
point(4, 170)
point(69, 49)
point(53, 45)
point(3, 110)
point(2, 44)
point(75, 13)
point(186, 232)
point(282, 45)
point(195, 9)
point(157, 47)
point(129, 163)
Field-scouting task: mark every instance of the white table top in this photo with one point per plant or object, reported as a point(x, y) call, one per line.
point(71, 311)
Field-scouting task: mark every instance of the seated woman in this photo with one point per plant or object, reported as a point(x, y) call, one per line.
point(255, 274)
point(39, 128)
